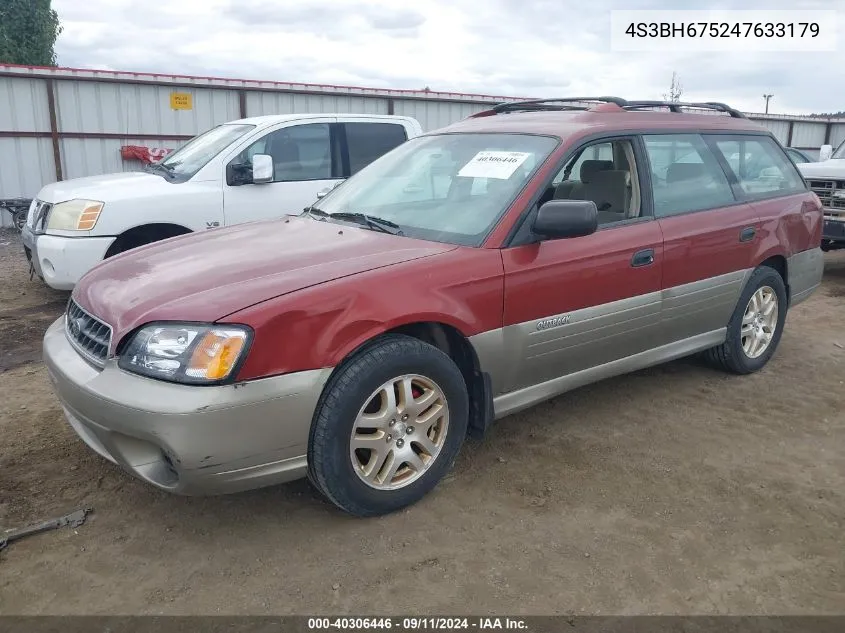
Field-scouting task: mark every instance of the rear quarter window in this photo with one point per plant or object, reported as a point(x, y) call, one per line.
point(761, 167)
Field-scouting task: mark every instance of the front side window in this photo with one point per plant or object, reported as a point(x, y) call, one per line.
point(840, 151)
point(448, 188)
point(299, 152)
point(605, 173)
point(190, 158)
point(368, 141)
point(759, 165)
point(685, 175)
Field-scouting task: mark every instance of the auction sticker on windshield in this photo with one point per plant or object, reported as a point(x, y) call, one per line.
point(493, 164)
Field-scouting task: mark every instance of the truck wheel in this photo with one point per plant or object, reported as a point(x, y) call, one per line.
point(756, 326)
point(143, 235)
point(388, 426)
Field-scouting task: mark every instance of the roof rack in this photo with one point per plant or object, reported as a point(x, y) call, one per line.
point(584, 103)
point(676, 106)
point(548, 104)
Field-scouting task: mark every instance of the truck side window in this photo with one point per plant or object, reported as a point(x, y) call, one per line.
point(369, 141)
point(299, 152)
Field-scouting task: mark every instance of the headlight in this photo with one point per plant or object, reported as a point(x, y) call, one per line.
point(186, 352)
point(74, 215)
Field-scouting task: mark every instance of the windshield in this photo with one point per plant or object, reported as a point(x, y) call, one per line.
point(446, 188)
point(190, 158)
point(840, 151)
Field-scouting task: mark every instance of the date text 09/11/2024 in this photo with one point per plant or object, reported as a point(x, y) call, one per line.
point(416, 624)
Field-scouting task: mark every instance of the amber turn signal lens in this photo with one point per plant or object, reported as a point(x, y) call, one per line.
point(215, 355)
point(89, 216)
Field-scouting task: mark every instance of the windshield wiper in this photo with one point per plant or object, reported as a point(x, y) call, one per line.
point(167, 169)
point(370, 221)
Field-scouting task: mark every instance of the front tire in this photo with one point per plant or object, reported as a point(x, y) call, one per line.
point(756, 325)
point(388, 427)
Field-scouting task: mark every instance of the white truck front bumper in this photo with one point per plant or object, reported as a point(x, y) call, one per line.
point(62, 261)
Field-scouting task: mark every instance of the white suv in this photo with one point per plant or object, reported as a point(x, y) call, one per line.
point(827, 180)
point(251, 169)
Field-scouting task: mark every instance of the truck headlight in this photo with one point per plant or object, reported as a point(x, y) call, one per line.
point(186, 352)
point(74, 215)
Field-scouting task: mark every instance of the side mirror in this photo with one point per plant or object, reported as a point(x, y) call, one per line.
point(825, 152)
point(566, 218)
point(262, 169)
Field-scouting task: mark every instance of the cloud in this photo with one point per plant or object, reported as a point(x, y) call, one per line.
point(501, 47)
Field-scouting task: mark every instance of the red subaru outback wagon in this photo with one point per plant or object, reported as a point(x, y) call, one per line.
point(468, 274)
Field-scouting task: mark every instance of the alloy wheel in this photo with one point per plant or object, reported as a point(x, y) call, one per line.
point(399, 432)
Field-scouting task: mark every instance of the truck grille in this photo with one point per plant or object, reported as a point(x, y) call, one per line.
point(88, 335)
point(37, 218)
point(830, 192)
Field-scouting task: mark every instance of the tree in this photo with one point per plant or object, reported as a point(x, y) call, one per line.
point(28, 32)
point(675, 90)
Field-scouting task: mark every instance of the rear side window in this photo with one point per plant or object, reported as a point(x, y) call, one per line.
point(760, 166)
point(369, 141)
point(685, 175)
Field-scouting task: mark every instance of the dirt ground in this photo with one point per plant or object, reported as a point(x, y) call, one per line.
point(673, 490)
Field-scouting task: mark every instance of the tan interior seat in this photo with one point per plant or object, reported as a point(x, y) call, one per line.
point(609, 190)
point(684, 171)
point(589, 168)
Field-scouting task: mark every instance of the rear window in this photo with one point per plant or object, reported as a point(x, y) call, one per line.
point(368, 141)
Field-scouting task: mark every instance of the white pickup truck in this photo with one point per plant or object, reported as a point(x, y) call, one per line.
point(251, 169)
point(827, 180)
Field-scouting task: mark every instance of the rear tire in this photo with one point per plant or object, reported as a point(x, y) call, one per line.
point(371, 452)
point(752, 335)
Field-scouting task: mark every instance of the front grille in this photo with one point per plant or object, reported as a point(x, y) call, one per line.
point(830, 192)
point(90, 336)
point(37, 218)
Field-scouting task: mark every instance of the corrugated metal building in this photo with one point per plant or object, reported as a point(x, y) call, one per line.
point(60, 123)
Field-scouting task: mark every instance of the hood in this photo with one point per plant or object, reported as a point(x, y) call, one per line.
point(831, 169)
point(206, 276)
point(106, 188)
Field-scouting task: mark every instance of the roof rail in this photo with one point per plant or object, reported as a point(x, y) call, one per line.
point(583, 103)
point(548, 104)
point(676, 106)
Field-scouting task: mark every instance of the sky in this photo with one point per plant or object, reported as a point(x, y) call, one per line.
point(522, 48)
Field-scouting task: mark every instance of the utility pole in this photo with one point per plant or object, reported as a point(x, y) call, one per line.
point(767, 97)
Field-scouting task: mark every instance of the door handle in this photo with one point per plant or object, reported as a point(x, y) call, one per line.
point(643, 258)
point(747, 234)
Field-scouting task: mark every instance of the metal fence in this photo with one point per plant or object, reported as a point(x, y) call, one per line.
point(61, 123)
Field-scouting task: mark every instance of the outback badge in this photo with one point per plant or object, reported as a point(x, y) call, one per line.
point(545, 324)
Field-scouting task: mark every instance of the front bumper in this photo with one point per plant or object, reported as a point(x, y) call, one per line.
point(189, 440)
point(834, 230)
point(62, 261)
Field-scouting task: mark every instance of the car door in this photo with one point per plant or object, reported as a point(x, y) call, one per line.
point(574, 304)
point(709, 236)
point(307, 159)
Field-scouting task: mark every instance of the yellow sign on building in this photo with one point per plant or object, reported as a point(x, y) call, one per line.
point(181, 101)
